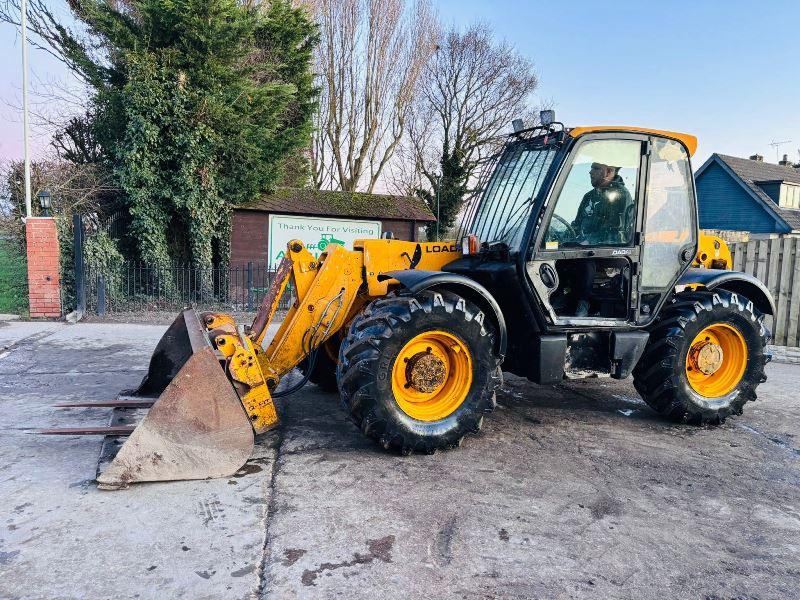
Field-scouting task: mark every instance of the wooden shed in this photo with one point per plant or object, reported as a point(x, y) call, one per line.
point(260, 229)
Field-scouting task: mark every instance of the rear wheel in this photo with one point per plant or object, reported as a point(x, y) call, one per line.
point(417, 373)
point(705, 357)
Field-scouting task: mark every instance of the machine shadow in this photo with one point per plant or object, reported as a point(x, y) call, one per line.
point(584, 399)
point(313, 419)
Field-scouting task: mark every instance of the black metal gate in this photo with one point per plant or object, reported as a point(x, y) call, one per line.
point(135, 287)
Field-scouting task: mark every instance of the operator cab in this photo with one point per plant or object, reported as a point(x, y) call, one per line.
point(583, 231)
point(603, 219)
point(610, 248)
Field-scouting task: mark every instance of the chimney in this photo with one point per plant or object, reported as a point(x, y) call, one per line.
point(757, 158)
point(785, 162)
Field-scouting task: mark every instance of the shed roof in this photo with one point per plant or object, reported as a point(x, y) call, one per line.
point(345, 204)
point(751, 173)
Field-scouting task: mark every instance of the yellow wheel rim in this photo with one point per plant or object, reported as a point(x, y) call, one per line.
point(716, 360)
point(432, 375)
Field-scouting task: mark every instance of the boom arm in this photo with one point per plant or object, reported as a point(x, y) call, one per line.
point(329, 291)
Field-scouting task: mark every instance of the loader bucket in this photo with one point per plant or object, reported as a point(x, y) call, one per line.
point(171, 353)
point(197, 428)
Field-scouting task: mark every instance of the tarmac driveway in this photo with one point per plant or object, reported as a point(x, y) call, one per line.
point(575, 490)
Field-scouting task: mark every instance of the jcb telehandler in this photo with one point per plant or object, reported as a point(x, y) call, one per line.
point(576, 258)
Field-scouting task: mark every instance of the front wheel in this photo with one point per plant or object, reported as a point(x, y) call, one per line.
point(417, 373)
point(705, 357)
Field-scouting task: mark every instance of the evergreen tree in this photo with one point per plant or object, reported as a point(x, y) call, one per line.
point(197, 106)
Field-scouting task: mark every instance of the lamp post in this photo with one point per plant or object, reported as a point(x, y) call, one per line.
point(26, 156)
point(438, 185)
point(45, 201)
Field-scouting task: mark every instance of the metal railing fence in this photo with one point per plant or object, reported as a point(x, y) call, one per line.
point(138, 287)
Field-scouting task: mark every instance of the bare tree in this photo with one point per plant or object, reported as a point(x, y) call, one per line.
point(49, 35)
point(370, 58)
point(85, 188)
point(469, 93)
point(55, 103)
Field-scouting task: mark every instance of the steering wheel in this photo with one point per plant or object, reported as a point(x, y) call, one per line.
point(569, 233)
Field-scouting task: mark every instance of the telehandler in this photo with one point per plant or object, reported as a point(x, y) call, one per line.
point(582, 255)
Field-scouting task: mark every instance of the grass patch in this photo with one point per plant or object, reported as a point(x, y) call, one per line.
point(13, 280)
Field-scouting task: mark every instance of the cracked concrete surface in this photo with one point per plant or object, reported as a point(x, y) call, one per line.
point(576, 490)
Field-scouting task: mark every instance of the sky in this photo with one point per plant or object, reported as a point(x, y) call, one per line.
point(725, 71)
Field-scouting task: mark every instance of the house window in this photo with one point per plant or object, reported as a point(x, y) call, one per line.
point(789, 196)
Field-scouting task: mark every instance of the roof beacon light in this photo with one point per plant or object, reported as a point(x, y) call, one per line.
point(547, 117)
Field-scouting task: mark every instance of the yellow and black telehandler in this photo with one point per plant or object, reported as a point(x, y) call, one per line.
point(582, 255)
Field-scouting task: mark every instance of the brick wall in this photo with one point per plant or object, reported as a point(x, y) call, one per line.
point(402, 230)
point(249, 233)
point(43, 268)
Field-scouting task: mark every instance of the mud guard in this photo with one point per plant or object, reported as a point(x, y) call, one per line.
point(416, 281)
point(732, 281)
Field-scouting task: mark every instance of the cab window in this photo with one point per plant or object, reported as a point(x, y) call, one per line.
point(597, 204)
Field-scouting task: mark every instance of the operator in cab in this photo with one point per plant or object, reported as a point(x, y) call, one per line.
point(601, 215)
point(601, 220)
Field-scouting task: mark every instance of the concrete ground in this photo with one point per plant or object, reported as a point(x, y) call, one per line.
point(571, 491)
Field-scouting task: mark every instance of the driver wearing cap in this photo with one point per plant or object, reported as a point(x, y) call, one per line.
point(600, 221)
point(601, 215)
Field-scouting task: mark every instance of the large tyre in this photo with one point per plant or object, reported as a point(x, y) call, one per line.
point(324, 372)
point(704, 359)
point(417, 373)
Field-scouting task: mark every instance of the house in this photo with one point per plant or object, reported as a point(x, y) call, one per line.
point(262, 228)
point(748, 194)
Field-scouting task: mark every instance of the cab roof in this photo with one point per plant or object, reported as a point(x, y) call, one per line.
point(689, 141)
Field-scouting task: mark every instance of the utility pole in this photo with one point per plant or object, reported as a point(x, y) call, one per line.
point(26, 155)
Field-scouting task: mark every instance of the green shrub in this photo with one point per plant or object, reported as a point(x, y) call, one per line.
point(13, 279)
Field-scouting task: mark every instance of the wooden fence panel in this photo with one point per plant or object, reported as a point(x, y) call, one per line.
point(775, 263)
point(763, 260)
point(750, 260)
point(784, 289)
point(793, 336)
point(738, 256)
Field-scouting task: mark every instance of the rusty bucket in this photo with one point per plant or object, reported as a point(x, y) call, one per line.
point(197, 428)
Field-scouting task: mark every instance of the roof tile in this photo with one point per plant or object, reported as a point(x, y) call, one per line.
point(344, 204)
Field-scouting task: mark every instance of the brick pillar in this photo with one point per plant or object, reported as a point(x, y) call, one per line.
point(43, 280)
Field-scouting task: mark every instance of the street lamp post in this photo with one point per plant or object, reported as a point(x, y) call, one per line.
point(438, 185)
point(27, 160)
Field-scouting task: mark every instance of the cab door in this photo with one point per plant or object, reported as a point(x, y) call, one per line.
point(587, 246)
point(669, 240)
